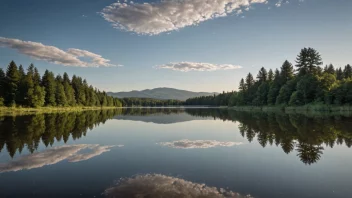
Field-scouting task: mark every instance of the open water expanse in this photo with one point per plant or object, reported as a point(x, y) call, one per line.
point(173, 152)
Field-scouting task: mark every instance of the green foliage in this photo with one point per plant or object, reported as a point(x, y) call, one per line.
point(308, 61)
point(30, 90)
point(48, 82)
point(11, 84)
point(60, 95)
point(311, 85)
point(36, 96)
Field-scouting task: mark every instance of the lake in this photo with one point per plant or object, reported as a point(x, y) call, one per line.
point(176, 152)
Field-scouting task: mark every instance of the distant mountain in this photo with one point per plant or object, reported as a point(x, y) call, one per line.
point(161, 93)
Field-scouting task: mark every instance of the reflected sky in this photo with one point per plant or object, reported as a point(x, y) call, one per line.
point(54, 155)
point(198, 144)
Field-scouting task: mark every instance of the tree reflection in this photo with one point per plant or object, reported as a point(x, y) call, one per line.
point(305, 134)
point(19, 132)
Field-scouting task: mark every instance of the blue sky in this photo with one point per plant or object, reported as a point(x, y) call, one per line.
point(262, 34)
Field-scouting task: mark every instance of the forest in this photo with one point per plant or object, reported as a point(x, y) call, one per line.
point(28, 89)
point(149, 102)
point(306, 83)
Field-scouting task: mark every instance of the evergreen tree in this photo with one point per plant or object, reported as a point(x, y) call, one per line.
point(329, 69)
point(60, 94)
point(2, 86)
point(36, 77)
point(286, 72)
point(22, 87)
point(339, 74)
point(249, 81)
point(36, 96)
point(12, 80)
point(348, 71)
point(270, 75)
point(242, 86)
point(308, 61)
point(274, 88)
point(262, 75)
point(48, 82)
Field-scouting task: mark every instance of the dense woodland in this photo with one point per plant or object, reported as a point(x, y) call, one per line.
point(149, 102)
point(306, 83)
point(29, 89)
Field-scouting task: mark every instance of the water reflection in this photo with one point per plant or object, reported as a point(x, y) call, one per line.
point(307, 135)
point(54, 155)
point(156, 185)
point(17, 132)
point(199, 144)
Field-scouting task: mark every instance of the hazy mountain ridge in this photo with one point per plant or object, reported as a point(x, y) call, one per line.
point(160, 93)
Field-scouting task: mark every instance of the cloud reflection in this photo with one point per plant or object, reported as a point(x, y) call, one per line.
point(157, 185)
point(53, 156)
point(194, 144)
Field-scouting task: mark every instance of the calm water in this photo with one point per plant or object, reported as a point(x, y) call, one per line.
point(172, 152)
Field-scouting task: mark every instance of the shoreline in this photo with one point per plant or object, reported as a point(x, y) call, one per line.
point(27, 111)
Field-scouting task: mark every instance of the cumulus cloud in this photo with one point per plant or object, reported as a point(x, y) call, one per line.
point(169, 15)
point(196, 144)
point(157, 185)
point(192, 66)
point(55, 55)
point(53, 156)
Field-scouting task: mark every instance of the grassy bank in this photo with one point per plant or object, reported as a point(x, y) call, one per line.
point(25, 111)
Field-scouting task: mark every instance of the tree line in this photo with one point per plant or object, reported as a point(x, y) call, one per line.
point(149, 102)
point(29, 89)
point(307, 83)
point(306, 135)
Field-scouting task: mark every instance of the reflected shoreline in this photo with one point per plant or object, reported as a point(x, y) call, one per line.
point(305, 134)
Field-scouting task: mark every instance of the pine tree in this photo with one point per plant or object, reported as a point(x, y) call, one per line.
point(348, 71)
point(329, 69)
point(2, 86)
point(286, 72)
point(307, 61)
point(242, 86)
point(36, 77)
point(21, 92)
point(274, 88)
point(339, 74)
point(60, 95)
point(12, 80)
point(249, 81)
point(262, 75)
point(270, 75)
point(48, 82)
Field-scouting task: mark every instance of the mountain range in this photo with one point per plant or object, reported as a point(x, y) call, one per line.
point(161, 93)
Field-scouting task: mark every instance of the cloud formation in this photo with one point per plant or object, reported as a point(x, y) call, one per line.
point(192, 66)
point(169, 15)
point(55, 55)
point(157, 185)
point(197, 144)
point(53, 156)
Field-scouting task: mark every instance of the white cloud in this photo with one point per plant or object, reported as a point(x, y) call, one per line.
point(192, 66)
point(196, 144)
point(157, 185)
point(169, 15)
point(55, 55)
point(53, 156)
